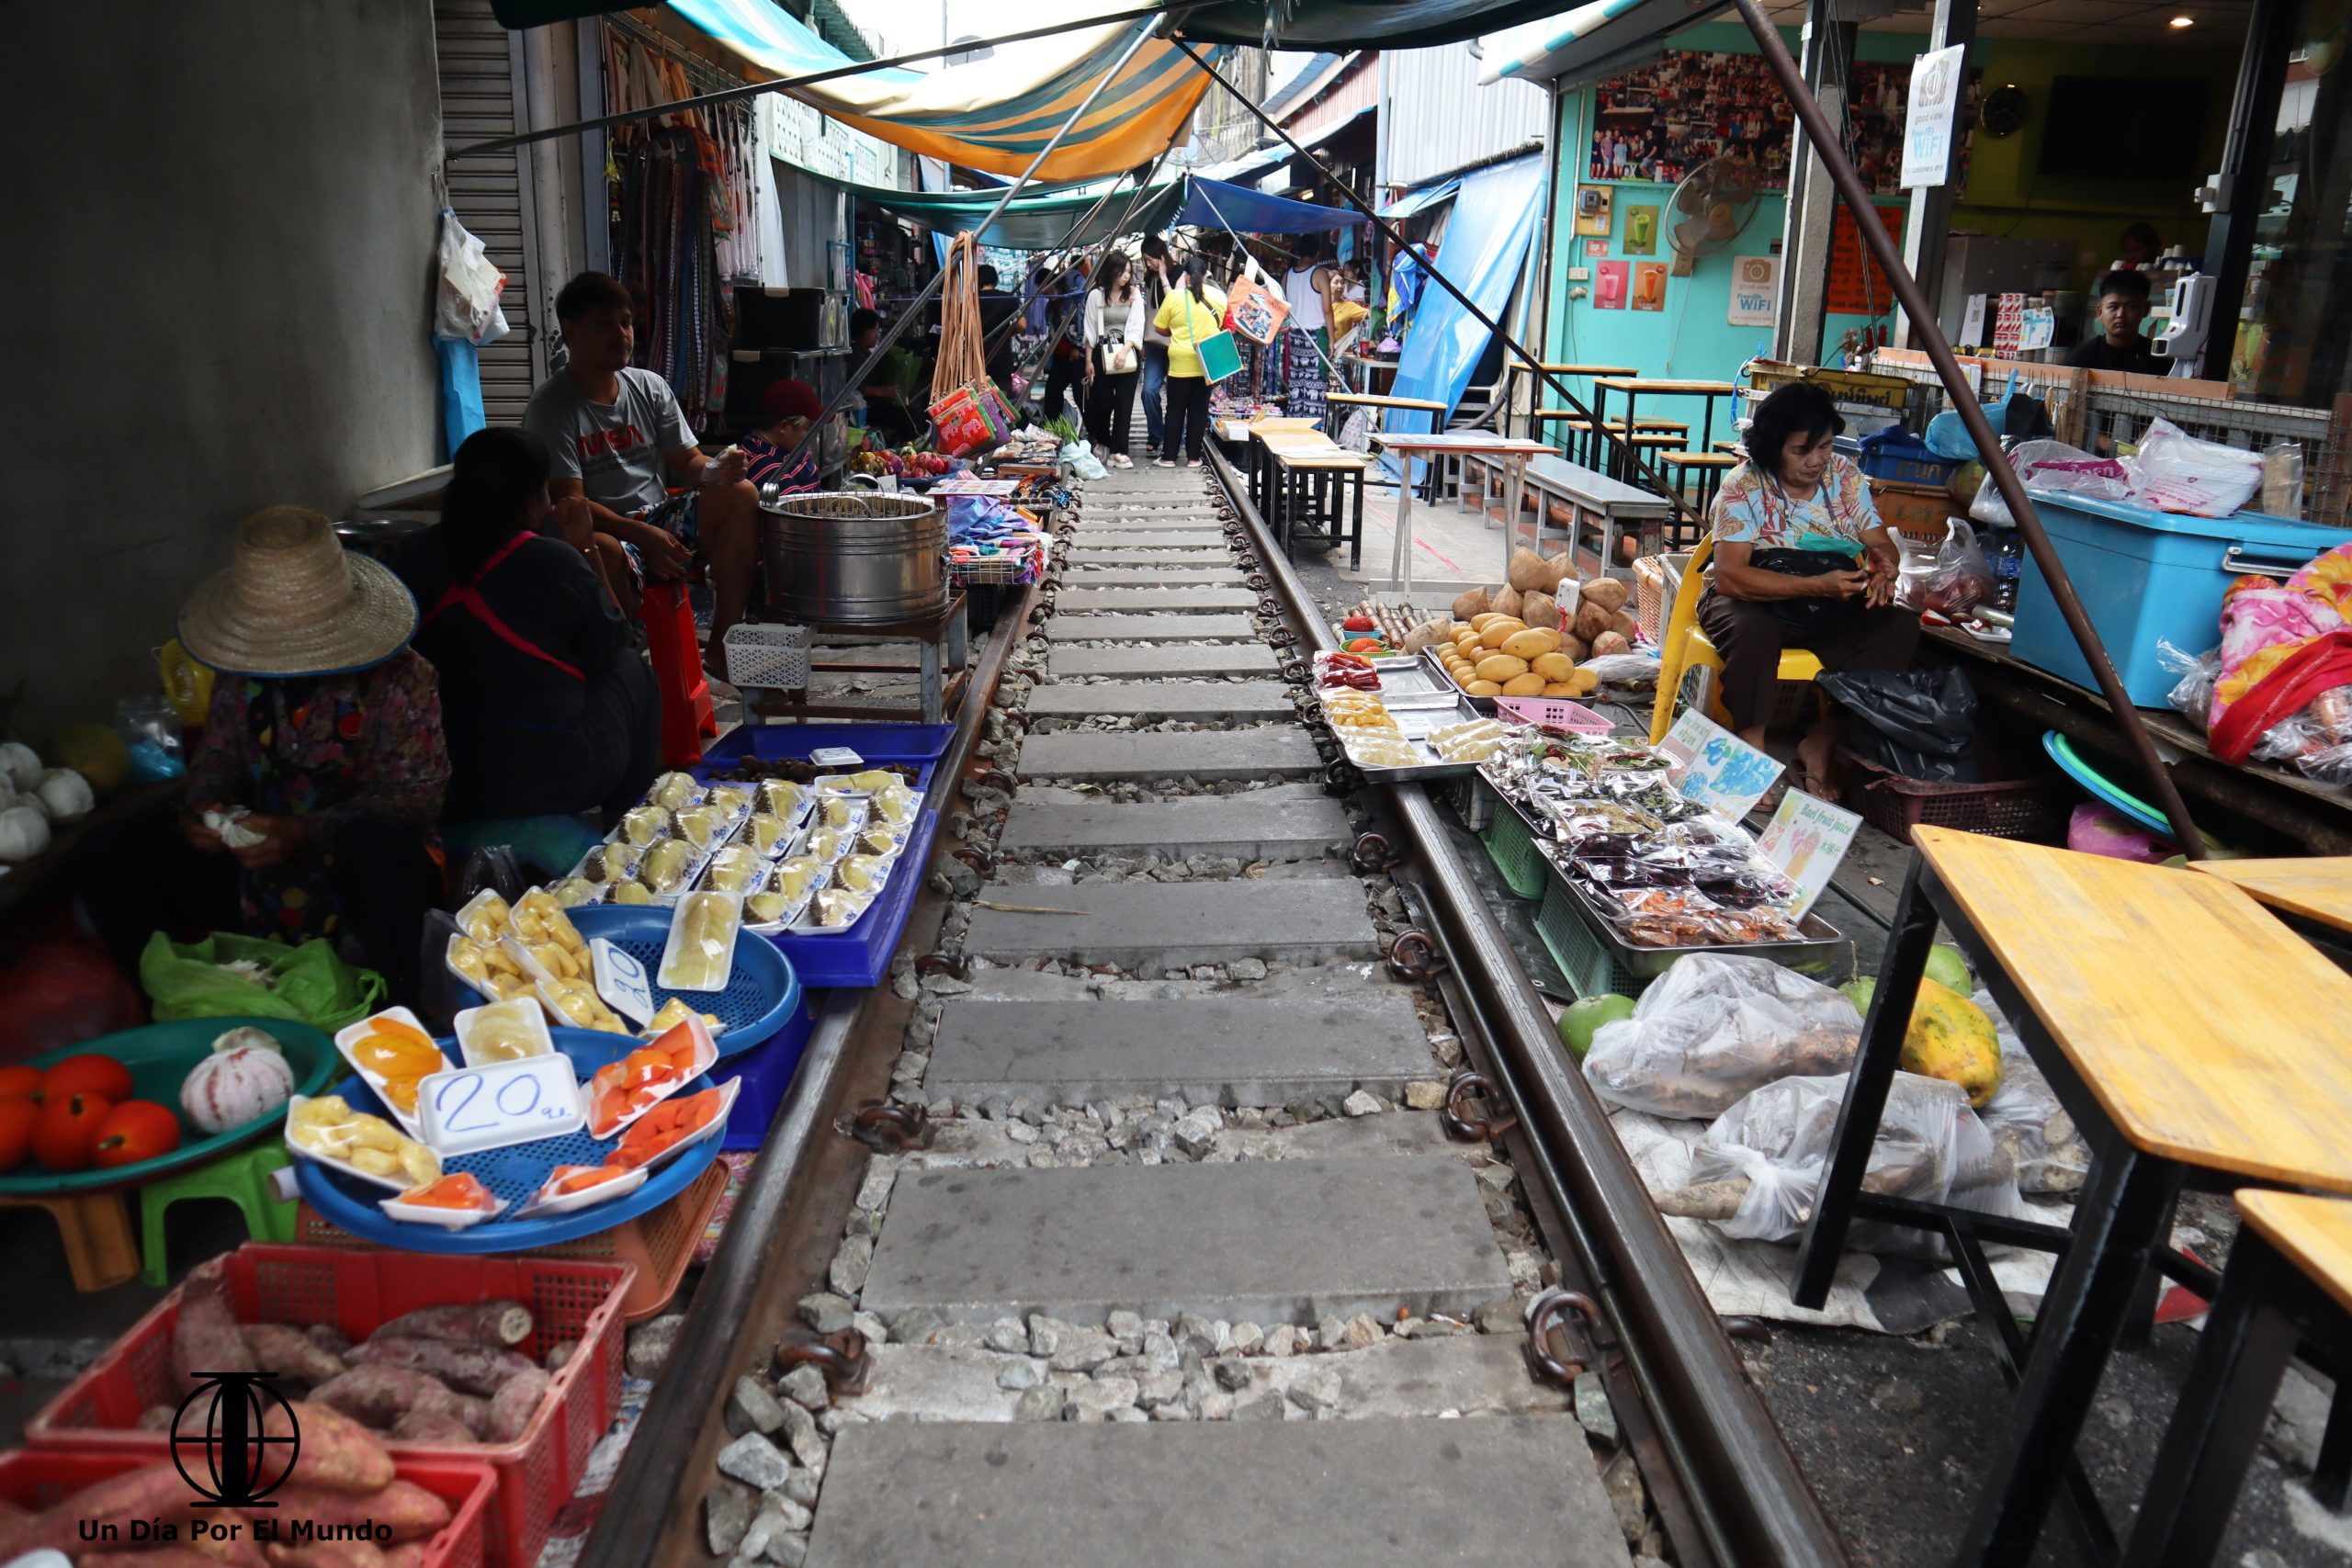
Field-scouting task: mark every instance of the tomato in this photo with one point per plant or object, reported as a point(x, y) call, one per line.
point(19, 1082)
point(66, 1129)
point(134, 1131)
point(16, 1119)
point(86, 1074)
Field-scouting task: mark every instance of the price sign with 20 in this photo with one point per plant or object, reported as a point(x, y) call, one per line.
point(491, 1106)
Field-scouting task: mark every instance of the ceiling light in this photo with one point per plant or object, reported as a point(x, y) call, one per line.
point(2179, 22)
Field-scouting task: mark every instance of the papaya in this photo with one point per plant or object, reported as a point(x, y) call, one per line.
point(1949, 1037)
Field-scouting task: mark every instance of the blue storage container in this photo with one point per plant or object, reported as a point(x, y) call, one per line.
point(1897, 455)
point(919, 745)
point(2145, 575)
point(767, 1074)
point(860, 955)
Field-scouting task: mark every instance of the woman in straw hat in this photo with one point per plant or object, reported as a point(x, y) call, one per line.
point(547, 711)
point(311, 794)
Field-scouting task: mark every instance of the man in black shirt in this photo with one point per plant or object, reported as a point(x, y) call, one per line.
point(2123, 306)
point(996, 308)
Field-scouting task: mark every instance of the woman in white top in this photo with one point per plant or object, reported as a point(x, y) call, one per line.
point(1306, 342)
point(1116, 325)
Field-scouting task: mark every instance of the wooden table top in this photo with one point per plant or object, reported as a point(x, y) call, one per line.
point(1376, 400)
point(1336, 457)
point(2318, 888)
point(2315, 1235)
point(1573, 369)
point(1681, 389)
point(2197, 1021)
point(1480, 441)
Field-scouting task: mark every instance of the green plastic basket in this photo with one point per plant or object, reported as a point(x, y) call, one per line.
point(1512, 846)
point(1586, 963)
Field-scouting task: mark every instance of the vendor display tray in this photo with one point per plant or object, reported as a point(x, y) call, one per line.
point(1416, 722)
point(1435, 673)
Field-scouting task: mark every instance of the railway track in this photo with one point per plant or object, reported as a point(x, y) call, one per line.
point(1216, 1108)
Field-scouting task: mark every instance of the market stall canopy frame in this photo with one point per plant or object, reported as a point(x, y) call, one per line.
point(1043, 221)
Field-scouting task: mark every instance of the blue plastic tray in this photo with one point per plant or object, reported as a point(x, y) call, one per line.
point(760, 993)
point(2101, 788)
point(916, 745)
point(767, 1078)
point(513, 1173)
point(860, 955)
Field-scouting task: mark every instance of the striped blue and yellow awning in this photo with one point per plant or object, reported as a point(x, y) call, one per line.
point(992, 114)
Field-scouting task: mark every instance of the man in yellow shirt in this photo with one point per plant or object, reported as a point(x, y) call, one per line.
point(1192, 310)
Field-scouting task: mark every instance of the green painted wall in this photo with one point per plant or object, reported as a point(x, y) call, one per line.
point(1691, 338)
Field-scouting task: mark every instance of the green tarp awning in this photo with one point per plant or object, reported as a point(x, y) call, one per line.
point(1032, 222)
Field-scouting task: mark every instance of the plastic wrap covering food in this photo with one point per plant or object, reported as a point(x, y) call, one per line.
point(642, 825)
point(1757, 1172)
point(673, 792)
point(329, 1128)
point(1717, 1026)
point(700, 953)
point(2026, 1118)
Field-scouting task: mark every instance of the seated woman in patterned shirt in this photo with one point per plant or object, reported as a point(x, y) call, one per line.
point(1801, 560)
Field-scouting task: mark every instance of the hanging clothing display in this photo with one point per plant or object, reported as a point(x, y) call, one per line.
point(680, 211)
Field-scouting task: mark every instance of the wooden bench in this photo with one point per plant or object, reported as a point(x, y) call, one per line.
point(1710, 467)
point(1298, 482)
point(1579, 498)
point(2178, 1024)
point(2290, 1279)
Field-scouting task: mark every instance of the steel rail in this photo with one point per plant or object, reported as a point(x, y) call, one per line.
point(1821, 141)
point(667, 1464)
point(1750, 1497)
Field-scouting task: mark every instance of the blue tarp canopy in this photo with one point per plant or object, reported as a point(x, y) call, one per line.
point(1494, 215)
point(1413, 202)
point(1213, 204)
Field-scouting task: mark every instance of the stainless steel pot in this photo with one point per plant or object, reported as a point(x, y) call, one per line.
point(854, 556)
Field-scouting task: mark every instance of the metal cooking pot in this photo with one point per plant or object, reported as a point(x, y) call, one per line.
point(854, 556)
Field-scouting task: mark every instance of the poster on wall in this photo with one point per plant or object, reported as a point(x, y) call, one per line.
point(1593, 208)
point(1595, 248)
point(1754, 284)
point(1857, 286)
point(1931, 114)
point(1609, 284)
point(1641, 230)
point(1649, 285)
point(1659, 122)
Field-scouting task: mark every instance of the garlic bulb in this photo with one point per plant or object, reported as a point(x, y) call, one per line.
point(20, 763)
point(245, 1034)
point(23, 834)
point(65, 796)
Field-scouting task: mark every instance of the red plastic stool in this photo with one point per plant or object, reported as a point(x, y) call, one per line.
point(686, 714)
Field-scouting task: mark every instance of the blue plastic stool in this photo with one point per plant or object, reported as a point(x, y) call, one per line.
point(242, 1179)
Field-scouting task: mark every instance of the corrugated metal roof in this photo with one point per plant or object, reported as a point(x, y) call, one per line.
point(1438, 119)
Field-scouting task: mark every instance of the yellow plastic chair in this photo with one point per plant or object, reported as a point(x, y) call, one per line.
point(1685, 648)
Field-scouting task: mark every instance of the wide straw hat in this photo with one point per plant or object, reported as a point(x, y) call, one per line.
point(296, 602)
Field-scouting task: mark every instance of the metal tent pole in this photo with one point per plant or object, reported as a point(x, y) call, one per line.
point(1135, 200)
point(1930, 337)
point(1634, 463)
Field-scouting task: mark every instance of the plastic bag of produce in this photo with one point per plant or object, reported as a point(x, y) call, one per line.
point(2051, 464)
point(2174, 471)
point(1079, 459)
point(2192, 693)
point(1717, 1026)
point(226, 975)
point(2027, 1120)
point(1757, 1172)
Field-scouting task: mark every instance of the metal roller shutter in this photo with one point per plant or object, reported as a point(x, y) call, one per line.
point(479, 62)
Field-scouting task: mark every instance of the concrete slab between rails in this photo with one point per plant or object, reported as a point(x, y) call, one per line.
point(1152, 926)
point(1186, 659)
point(1171, 699)
point(1238, 1052)
point(1273, 1241)
point(1153, 628)
point(1205, 756)
point(1217, 1495)
point(1145, 600)
point(1283, 822)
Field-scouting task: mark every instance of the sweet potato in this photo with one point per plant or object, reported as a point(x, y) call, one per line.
point(467, 1368)
point(511, 1406)
point(10, 1510)
point(407, 1554)
point(430, 1424)
point(1506, 600)
point(1539, 609)
point(482, 1322)
point(288, 1352)
point(1527, 571)
point(378, 1396)
point(229, 1542)
point(1609, 642)
point(1474, 602)
point(153, 1557)
point(141, 1494)
point(328, 1337)
point(559, 1356)
point(205, 1338)
point(329, 1554)
point(155, 1418)
point(337, 1454)
point(1591, 620)
point(406, 1509)
point(1609, 593)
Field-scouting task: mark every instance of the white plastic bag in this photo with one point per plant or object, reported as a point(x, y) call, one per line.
point(2027, 1120)
point(2051, 464)
point(1757, 1172)
point(1951, 580)
point(1717, 1026)
point(2174, 471)
point(2192, 693)
point(1079, 461)
point(466, 306)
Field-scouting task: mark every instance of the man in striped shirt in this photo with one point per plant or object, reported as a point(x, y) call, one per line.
point(788, 407)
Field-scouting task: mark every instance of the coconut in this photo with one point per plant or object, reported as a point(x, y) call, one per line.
point(1527, 569)
point(1591, 619)
point(1606, 591)
point(1471, 603)
point(1539, 609)
point(1507, 602)
point(1609, 642)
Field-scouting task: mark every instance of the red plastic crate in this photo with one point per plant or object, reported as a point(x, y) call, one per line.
point(357, 1291)
point(37, 1479)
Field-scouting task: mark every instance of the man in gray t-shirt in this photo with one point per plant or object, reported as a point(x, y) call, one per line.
point(617, 438)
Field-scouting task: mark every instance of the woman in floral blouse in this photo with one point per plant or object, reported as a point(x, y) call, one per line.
point(1801, 560)
point(313, 788)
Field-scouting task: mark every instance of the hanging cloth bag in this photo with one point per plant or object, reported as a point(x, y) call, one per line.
point(968, 413)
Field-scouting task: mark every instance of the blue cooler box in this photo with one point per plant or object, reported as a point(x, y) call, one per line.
point(2145, 575)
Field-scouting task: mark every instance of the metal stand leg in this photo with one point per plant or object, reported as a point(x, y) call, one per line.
point(2141, 1323)
point(1881, 1049)
point(1514, 497)
point(1400, 548)
point(959, 635)
point(2116, 1226)
point(2241, 1356)
point(2332, 1477)
point(1355, 534)
point(934, 688)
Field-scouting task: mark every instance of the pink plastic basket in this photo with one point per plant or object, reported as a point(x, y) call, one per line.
point(1554, 712)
